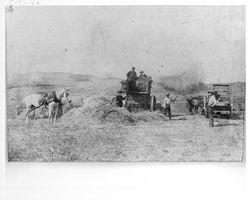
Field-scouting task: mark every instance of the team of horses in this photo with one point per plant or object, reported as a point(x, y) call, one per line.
point(52, 100)
point(195, 104)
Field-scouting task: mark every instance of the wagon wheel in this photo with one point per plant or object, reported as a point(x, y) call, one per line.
point(153, 103)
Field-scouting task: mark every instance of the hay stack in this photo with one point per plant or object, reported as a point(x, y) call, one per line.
point(98, 109)
point(101, 109)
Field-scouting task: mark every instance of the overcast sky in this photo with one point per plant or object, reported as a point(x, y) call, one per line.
point(105, 41)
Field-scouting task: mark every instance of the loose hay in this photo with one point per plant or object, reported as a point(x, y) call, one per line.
point(101, 109)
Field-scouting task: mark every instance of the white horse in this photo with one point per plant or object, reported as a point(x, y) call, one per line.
point(31, 102)
point(53, 99)
point(60, 97)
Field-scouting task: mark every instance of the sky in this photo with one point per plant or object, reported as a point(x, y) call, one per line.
point(108, 40)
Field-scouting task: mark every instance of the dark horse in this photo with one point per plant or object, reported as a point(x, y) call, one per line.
point(194, 104)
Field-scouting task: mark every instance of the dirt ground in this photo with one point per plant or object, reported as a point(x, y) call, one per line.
point(94, 130)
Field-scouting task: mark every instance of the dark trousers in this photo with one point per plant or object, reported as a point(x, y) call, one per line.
point(167, 111)
point(131, 86)
point(211, 116)
point(119, 103)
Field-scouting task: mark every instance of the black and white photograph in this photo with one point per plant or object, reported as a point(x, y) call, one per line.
point(125, 83)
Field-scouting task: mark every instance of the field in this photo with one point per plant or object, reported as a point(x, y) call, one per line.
point(94, 130)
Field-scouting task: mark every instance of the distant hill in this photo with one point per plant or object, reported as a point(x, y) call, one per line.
point(46, 78)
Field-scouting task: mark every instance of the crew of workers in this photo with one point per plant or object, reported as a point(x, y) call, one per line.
point(131, 83)
point(213, 97)
point(132, 77)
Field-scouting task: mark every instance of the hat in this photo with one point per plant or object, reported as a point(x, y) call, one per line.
point(141, 72)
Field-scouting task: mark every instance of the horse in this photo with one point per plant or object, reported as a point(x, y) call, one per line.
point(55, 99)
point(32, 102)
point(194, 104)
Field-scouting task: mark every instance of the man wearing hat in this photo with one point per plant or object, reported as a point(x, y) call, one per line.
point(213, 99)
point(131, 78)
point(142, 75)
point(166, 105)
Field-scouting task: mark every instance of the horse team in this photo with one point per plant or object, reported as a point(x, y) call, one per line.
point(195, 104)
point(52, 100)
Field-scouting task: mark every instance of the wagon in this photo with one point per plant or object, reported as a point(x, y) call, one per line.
point(224, 106)
point(139, 98)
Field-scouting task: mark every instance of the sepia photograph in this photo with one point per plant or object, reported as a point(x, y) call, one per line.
point(125, 83)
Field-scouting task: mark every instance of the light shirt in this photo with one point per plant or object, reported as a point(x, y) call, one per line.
point(166, 101)
point(212, 101)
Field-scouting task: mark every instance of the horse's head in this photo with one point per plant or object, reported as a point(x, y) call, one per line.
point(189, 99)
point(195, 102)
point(64, 95)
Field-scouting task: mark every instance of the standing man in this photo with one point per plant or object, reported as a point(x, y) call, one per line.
point(166, 105)
point(190, 104)
point(119, 98)
point(131, 78)
point(213, 99)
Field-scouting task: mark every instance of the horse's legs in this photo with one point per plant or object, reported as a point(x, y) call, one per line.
point(50, 112)
point(193, 111)
point(56, 113)
point(34, 114)
point(27, 113)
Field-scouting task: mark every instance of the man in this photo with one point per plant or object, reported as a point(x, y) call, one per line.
point(213, 99)
point(142, 75)
point(166, 105)
point(118, 99)
point(131, 78)
point(190, 104)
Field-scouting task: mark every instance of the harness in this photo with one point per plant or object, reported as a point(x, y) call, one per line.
point(55, 99)
point(51, 96)
point(46, 100)
point(38, 107)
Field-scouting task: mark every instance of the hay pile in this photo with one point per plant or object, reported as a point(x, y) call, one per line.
point(98, 109)
point(101, 109)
